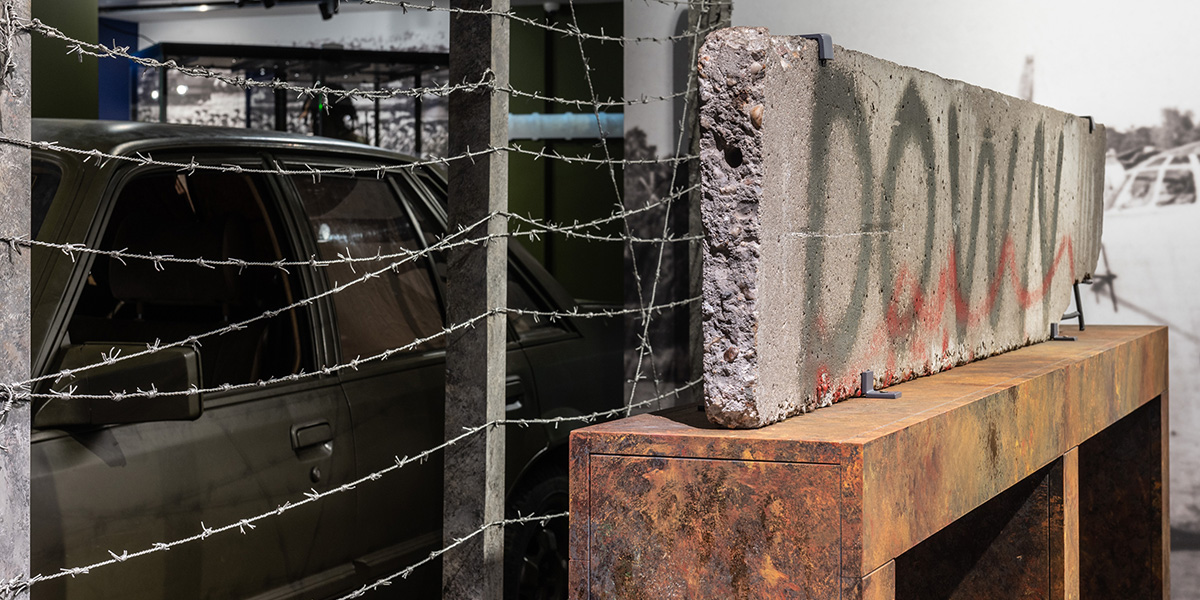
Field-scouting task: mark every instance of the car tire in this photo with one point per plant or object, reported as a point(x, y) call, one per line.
point(535, 553)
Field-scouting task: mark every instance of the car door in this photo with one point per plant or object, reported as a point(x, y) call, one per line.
point(392, 324)
point(261, 443)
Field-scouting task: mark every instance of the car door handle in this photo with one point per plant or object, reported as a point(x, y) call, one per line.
point(514, 390)
point(311, 434)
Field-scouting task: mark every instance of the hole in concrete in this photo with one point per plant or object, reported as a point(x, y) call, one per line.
point(733, 156)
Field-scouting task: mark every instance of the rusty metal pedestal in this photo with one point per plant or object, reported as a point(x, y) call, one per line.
point(1040, 473)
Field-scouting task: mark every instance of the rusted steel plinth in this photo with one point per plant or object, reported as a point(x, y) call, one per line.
point(1040, 473)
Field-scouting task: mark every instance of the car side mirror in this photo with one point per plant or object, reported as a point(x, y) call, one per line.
point(167, 370)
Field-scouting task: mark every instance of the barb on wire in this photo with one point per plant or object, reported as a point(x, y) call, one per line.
point(405, 572)
point(449, 241)
point(610, 103)
point(608, 160)
point(145, 159)
point(192, 165)
point(539, 227)
point(8, 29)
point(572, 31)
point(83, 48)
point(21, 391)
point(246, 526)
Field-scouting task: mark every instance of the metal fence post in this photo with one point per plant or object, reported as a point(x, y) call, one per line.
point(14, 298)
point(475, 361)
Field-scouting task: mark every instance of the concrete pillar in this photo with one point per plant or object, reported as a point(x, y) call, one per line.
point(14, 318)
point(475, 360)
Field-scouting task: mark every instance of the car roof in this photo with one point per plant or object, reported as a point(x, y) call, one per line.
point(1192, 148)
point(130, 137)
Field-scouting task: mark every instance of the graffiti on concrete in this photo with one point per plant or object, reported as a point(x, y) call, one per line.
point(874, 217)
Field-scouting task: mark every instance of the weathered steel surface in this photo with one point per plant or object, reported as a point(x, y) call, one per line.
point(860, 215)
point(906, 468)
point(1064, 531)
point(1121, 509)
point(735, 524)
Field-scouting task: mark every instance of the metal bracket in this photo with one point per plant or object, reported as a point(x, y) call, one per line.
point(824, 44)
point(1059, 338)
point(867, 382)
point(1091, 123)
point(1075, 314)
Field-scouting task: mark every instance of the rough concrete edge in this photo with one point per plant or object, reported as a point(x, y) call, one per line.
point(731, 158)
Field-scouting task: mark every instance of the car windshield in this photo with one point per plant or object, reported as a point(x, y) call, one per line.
point(45, 179)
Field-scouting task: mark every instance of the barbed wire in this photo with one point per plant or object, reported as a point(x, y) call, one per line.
point(146, 159)
point(124, 255)
point(83, 48)
point(193, 340)
point(573, 30)
point(522, 225)
point(247, 525)
point(97, 50)
point(114, 356)
point(643, 344)
point(405, 572)
point(610, 103)
point(7, 30)
point(539, 227)
point(644, 347)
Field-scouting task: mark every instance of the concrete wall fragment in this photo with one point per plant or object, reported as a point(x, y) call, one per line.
point(860, 215)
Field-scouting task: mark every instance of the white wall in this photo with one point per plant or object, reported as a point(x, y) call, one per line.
point(1119, 61)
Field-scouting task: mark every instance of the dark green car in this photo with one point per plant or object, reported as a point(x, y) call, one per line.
point(115, 477)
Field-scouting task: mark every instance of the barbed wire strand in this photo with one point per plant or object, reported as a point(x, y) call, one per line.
point(573, 31)
point(646, 308)
point(146, 159)
point(246, 525)
point(114, 356)
point(644, 345)
point(405, 572)
point(271, 313)
point(325, 92)
point(639, 292)
point(539, 227)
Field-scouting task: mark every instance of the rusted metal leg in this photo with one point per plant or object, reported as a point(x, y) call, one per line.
point(1064, 529)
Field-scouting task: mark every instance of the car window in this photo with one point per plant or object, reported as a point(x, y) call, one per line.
point(521, 294)
point(46, 177)
point(363, 218)
point(210, 215)
point(1138, 190)
point(1182, 159)
point(1178, 187)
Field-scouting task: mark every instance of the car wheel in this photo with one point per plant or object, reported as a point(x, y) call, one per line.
point(535, 553)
